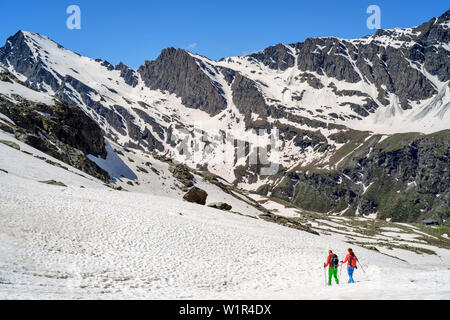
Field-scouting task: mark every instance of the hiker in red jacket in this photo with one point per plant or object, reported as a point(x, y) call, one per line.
point(333, 263)
point(351, 260)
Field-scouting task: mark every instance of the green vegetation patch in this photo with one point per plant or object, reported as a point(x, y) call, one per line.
point(398, 141)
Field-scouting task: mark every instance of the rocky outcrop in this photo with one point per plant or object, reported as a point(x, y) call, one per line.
point(277, 57)
point(128, 74)
point(326, 56)
point(183, 175)
point(61, 130)
point(248, 99)
point(10, 144)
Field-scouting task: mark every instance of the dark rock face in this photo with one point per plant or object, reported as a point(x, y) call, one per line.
point(311, 79)
point(247, 98)
point(436, 61)
point(157, 128)
point(276, 57)
point(387, 66)
point(179, 73)
point(62, 131)
point(302, 138)
point(196, 195)
point(128, 74)
point(145, 139)
point(326, 56)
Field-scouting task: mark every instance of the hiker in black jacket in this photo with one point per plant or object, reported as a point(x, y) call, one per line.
point(333, 263)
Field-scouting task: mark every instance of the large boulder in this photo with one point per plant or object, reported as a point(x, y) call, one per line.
point(196, 195)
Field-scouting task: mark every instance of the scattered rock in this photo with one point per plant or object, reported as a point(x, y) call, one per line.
point(54, 183)
point(288, 222)
point(220, 205)
point(155, 171)
point(140, 169)
point(182, 174)
point(119, 152)
point(114, 187)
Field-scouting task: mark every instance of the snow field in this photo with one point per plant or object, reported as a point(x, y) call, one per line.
point(96, 243)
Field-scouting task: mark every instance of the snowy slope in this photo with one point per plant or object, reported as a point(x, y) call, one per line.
point(94, 242)
point(139, 171)
point(14, 89)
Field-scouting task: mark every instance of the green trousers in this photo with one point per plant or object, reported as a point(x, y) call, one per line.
point(333, 272)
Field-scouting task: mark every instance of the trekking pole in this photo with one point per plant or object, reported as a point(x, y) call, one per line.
point(340, 272)
point(361, 266)
point(325, 274)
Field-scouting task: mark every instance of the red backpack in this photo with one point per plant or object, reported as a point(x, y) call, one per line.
point(352, 261)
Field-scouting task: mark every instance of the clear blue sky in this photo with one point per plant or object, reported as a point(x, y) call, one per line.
point(133, 31)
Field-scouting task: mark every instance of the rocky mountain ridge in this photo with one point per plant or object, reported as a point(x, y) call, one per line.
point(328, 99)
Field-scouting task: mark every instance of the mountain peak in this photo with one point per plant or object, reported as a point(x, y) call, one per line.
point(16, 49)
point(172, 51)
point(445, 17)
point(23, 35)
point(180, 73)
point(19, 36)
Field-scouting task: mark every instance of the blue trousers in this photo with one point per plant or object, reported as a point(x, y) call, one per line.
point(350, 271)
